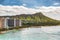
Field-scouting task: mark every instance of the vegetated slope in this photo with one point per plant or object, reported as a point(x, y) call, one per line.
point(37, 19)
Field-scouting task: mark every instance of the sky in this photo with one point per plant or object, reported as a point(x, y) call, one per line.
point(50, 8)
point(31, 3)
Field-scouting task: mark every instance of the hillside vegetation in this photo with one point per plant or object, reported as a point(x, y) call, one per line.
point(37, 19)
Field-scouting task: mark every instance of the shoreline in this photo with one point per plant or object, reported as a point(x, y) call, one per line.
point(44, 28)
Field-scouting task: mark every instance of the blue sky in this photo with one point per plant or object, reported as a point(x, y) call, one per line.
point(30, 3)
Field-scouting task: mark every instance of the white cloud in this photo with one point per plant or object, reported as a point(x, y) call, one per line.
point(56, 4)
point(24, 4)
point(15, 10)
point(52, 12)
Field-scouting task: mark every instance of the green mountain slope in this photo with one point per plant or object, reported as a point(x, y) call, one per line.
point(37, 19)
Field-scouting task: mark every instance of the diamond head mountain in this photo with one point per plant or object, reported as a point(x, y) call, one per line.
point(37, 19)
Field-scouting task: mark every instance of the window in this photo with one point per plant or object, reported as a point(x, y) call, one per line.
point(11, 22)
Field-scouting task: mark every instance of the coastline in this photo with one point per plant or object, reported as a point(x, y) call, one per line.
point(47, 29)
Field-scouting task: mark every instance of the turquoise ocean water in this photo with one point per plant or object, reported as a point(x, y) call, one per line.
point(29, 34)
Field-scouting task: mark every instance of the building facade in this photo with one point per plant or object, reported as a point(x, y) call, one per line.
point(9, 21)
